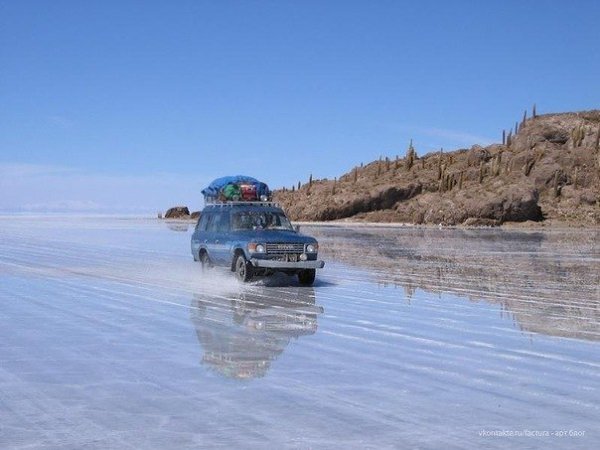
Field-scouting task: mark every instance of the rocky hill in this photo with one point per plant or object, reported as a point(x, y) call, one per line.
point(549, 170)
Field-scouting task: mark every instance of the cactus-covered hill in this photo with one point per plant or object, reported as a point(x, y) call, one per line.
point(548, 171)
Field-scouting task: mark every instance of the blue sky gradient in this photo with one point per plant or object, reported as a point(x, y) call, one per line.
point(115, 104)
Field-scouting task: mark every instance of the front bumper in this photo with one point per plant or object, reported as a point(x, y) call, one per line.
point(272, 264)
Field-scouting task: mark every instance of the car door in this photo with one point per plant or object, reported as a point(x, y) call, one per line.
point(220, 229)
point(205, 235)
point(197, 235)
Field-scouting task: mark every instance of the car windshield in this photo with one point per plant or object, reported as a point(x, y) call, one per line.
point(261, 220)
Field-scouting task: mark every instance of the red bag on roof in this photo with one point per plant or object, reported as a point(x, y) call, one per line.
point(248, 191)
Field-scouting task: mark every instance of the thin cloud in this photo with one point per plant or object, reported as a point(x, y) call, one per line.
point(34, 187)
point(456, 137)
point(434, 137)
point(17, 170)
point(63, 205)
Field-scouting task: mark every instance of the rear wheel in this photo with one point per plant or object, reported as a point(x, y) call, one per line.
point(205, 262)
point(306, 277)
point(243, 269)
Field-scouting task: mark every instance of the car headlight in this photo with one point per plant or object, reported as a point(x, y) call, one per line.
point(312, 248)
point(256, 248)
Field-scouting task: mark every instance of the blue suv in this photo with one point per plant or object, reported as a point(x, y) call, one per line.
point(254, 239)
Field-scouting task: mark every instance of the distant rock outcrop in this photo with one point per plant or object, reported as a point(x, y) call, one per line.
point(178, 212)
point(548, 169)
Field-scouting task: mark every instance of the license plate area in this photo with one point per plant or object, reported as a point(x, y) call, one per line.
point(288, 257)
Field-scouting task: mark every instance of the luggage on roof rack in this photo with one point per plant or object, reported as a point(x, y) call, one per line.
point(236, 188)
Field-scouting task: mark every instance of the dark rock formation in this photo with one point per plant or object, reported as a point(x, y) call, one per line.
point(516, 205)
point(178, 212)
point(479, 222)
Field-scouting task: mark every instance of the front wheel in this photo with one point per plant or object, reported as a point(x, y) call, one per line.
point(306, 277)
point(243, 269)
point(205, 262)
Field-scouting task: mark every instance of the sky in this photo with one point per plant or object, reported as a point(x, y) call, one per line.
point(116, 106)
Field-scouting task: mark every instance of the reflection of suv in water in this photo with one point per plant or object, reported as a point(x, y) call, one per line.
point(254, 239)
point(242, 332)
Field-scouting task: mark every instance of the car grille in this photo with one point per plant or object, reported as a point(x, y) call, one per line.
point(282, 248)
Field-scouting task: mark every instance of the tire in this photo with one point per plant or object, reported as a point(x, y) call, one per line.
point(205, 262)
point(306, 277)
point(243, 269)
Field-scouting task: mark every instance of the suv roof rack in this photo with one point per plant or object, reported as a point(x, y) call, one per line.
point(243, 203)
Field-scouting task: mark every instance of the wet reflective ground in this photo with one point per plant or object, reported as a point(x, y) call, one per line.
point(110, 337)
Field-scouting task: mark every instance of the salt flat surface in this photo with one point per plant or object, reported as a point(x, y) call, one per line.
point(111, 337)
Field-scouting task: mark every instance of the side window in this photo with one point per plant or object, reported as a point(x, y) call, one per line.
point(204, 220)
point(220, 222)
point(211, 226)
point(223, 224)
point(214, 218)
point(197, 227)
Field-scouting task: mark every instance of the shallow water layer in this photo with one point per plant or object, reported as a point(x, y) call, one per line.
point(111, 337)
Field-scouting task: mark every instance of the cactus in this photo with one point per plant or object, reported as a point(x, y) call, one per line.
point(440, 164)
point(528, 166)
point(299, 185)
point(409, 162)
point(598, 161)
point(333, 187)
point(524, 119)
point(577, 135)
point(310, 180)
point(355, 176)
point(496, 164)
point(555, 185)
point(533, 112)
point(481, 172)
point(503, 137)
point(460, 180)
point(442, 178)
point(509, 138)
point(410, 155)
point(575, 176)
point(449, 181)
point(516, 128)
point(422, 163)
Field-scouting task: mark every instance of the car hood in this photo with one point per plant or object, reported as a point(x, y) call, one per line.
point(277, 236)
